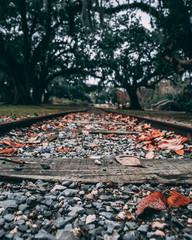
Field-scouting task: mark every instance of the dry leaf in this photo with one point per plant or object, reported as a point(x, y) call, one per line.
point(92, 194)
point(12, 144)
point(158, 225)
point(180, 152)
point(129, 161)
point(155, 200)
point(176, 200)
point(6, 151)
point(63, 150)
point(150, 155)
point(171, 144)
point(129, 215)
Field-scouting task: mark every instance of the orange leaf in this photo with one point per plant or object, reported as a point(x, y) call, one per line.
point(176, 200)
point(6, 151)
point(180, 152)
point(63, 150)
point(155, 200)
point(184, 139)
point(76, 133)
point(13, 144)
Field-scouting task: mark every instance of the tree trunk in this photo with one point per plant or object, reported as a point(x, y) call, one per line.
point(38, 91)
point(135, 105)
point(20, 93)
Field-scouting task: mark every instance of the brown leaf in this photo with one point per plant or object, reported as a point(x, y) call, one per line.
point(129, 161)
point(129, 215)
point(176, 200)
point(92, 194)
point(150, 155)
point(171, 144)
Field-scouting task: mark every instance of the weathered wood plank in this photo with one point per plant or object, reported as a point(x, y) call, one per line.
point(157, 171)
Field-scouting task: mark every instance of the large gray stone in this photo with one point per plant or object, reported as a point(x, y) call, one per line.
point(75, 210)
point(65, 235)
point(69, 192)
point(8, 204)
point(132, 235)
point(43, 235)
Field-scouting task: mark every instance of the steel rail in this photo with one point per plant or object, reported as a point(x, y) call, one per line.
point(7, 126)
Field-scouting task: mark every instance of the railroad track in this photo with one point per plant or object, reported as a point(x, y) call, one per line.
point(163, 125)
point(6, 126)
point(84, 146)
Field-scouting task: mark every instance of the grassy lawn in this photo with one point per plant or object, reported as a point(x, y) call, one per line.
point(24, 110)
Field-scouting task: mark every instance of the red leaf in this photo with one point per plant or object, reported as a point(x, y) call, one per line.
point(13, 144)
point(155, 200)
point(6, 151)
point(176, 200)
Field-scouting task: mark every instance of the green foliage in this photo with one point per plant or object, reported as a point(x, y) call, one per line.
point(60, 88)
point(185, 99)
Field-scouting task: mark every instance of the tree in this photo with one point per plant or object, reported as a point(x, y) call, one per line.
point(127, 58)
point(37, 44)
point(172, 18)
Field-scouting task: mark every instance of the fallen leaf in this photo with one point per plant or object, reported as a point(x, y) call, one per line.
point(129, 215)
point(63, 150)
point(176, 200)
point(180, 152)
point(159, 233)
point(150, 146)
point(158, 225)
point(184, 139)
point(92, 194)
point(155, 200)
point(6, 151)
point(129, 161)
point(174, 144)
point(12, 144)
point(150, 155)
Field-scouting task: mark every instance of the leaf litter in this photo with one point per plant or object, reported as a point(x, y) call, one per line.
point(53, 138)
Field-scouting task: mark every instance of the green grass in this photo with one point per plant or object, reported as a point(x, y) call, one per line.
point(24, 110)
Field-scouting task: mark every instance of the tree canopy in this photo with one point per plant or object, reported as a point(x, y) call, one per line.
point(75, 39)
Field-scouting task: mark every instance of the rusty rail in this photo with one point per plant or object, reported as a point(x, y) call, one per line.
point(5, 127)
